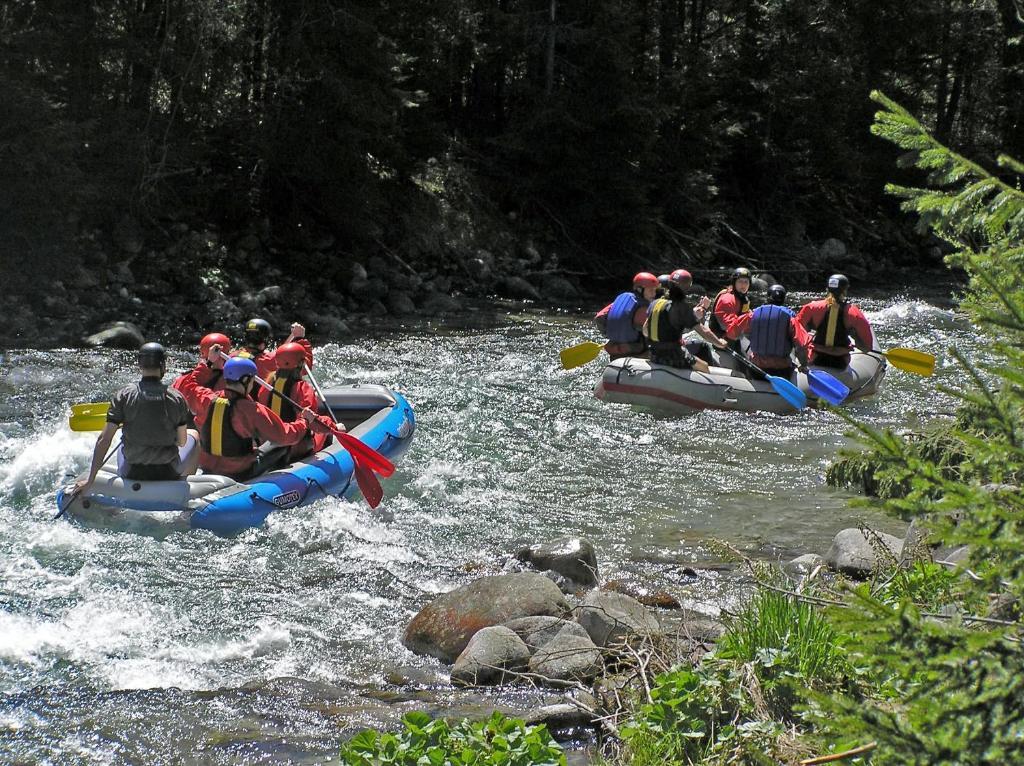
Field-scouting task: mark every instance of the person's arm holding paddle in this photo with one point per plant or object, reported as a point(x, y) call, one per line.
point(860, 328)
point(99, 454)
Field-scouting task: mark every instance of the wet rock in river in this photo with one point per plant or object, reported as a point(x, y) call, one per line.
point(611, 618)
point(488, 655)
point(567, 658)
point(117, 335)
point(802, 566)
point(571, 557)
point(659, 599)
point(444, 627)
point(536, 632)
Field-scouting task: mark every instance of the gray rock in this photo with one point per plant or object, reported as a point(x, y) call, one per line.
point(517, 287)
point(555, 287)
point(564, 584)
point(567, 658)
point(610, 618)
point(486, 257)
point(479, 270)
point(128, 235)
point(400, 304)
point(439, 285)
point(958, 556)
point(564, 715)
point(124, 274)
point(270, 294)
point(439, 303)
point(572, 557)
point(117, 335)
point(443, 627)
point(538, 631)
point(853, 554)
point(802, 566)
point(488, 655)
point(530, 253)
point(832, 249)
point(758, 285)
point(767, 278)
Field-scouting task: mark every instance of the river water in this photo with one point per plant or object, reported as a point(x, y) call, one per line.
point(272, 646)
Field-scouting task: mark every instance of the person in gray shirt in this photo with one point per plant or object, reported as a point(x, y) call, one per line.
point(156, 444)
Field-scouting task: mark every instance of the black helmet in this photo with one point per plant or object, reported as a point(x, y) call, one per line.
point(257, 331)
point(837, 284)
point(152, 356)
point(740, 273)
point(777, 295)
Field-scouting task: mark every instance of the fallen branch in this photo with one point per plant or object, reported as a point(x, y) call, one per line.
point(840, 756)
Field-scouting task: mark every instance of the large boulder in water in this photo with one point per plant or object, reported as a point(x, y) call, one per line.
point(488, 655)
point(117, 335)
point(444, 627)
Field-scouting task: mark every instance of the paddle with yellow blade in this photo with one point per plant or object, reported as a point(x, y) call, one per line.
point(580, 354)
point(91, 416)
point(916, 362)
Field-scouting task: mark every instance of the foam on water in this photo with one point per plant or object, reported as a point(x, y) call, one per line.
point(39, 462)
point(906, 310)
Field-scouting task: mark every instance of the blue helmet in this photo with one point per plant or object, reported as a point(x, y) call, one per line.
point(237, 368)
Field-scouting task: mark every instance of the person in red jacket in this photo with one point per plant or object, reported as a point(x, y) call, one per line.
point(774, 335)
point(257, 337)
point(231, 425)
point(835, 325)
point(208, 373)
point(288, 380)
point(730, 304)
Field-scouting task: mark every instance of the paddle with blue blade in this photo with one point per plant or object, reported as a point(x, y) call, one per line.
point(827, 387)
point(793, 395)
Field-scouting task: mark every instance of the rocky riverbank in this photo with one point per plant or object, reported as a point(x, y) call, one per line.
point(178, 283)
point(582, 647)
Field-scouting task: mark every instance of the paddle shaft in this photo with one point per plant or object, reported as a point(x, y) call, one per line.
point(319, 391)
point(745, 361)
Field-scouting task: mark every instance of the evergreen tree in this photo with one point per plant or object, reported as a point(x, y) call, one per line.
point(949, 691)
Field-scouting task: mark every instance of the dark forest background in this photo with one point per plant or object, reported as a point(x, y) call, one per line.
point(455, 139)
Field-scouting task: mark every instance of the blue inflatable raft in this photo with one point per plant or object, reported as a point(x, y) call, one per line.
point(381, 418)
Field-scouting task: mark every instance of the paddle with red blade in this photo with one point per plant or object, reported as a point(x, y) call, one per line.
point(370, 456)
point(368, 483)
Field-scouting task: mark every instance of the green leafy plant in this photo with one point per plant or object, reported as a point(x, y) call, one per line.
point(712, 714)
point(498, 741)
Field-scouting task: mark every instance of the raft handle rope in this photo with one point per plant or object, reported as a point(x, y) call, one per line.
point(71, 499)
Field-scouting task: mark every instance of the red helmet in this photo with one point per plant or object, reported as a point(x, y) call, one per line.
point(645, 279)
point(290, 356)
point(214, 339)
point(681, 277)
